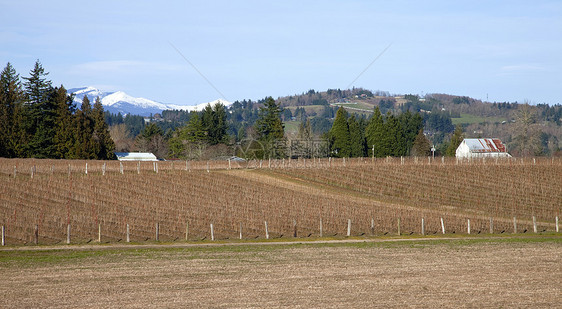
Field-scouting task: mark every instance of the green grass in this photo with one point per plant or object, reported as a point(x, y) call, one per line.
point(471, 119)
point(69, 257)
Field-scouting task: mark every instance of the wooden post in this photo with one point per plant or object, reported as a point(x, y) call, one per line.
point(32, 172)
point(99, 232)
point(103, 169)
point(138, 167)
point(156, 164)
point(186, 165)
point(229, 164)
point(348, 225)
point(269, 164)
point(36, 234)
point(240, 230)
point(86, 168)
point(321, 232)
point(121, 167)
point(69, 170)
point(372, 226)
point(294, 228)
point(157, 231)
point(128, 233)
point(468, 228)
point(68, 234)
point(491, 225)
point(398, 226)
point(212, 232)
point(442, 226)
point(3, 235)
point(534, 224)
point(266, 231)
point(207, 166)
point(186, 230)
point(514, 225)
point(423, 227)
point(557, 224)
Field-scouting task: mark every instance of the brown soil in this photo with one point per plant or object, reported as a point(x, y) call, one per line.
point(445, 273)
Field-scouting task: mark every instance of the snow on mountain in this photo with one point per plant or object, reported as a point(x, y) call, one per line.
point(120, 102)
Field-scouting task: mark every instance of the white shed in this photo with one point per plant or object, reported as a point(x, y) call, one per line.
point(135, 156)
point(481, 148)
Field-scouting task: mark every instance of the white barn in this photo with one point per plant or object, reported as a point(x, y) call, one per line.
point(135, 156)
point(482, 148)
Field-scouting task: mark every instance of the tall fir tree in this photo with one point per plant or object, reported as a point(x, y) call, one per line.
point(456, 140)
point(421, 146)
point(65, 108)
point(106, 146)
point(339, 135)
point(84, 145)
point(356, 139)
point(271, 130)
point(11, 100)
point(214, 123)
point(39, 112)
point(374, 134)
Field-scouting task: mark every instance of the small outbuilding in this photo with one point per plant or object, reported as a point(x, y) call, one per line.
point(482, 148)
point(135, 156)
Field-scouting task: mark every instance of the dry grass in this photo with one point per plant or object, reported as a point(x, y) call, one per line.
point(429, 274)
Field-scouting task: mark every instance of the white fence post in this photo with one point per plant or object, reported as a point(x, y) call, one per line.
point(514, 225)
point(3, 235)
point(68, 234)
point(348, 224)
point(266, 231)
point(212, 232)
point(491, 225)
point(442, 226)
point(423, 227)
point(534, 224)
point(321, 232)
point(128, 233)
point(468, 228)
point(556, 224)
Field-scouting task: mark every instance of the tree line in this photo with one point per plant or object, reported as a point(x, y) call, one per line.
point(38, 120)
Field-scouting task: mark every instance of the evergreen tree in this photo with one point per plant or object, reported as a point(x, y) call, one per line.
point(456, 140)
point(64, 138)
point(39, 120)
point(189, 140)
point(271, 130)
point(393, 140)
point(11, 99)
point(356, 139)
point(106, 146)
point(374, 134)
point(421, 146)
point(339, 135)
point(411, 124)
point(214, 123)
point(85, 146)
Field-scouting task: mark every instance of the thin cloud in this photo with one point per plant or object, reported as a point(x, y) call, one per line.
point(522, 68)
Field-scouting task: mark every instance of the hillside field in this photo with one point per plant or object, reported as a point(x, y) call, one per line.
point(181, 200)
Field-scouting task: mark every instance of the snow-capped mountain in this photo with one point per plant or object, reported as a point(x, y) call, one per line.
point(120, 102)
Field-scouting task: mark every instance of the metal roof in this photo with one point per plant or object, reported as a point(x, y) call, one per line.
point(136, 156)
point(484, 145)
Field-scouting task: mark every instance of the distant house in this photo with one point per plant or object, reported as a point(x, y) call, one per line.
point(481, 148)
point(135, 156)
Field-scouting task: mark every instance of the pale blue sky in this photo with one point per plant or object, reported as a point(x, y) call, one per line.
point(510, 50)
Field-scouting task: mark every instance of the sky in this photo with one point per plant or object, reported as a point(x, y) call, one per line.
point(190, 52)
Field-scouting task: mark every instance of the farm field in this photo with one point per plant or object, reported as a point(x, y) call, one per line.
point(496, 272)
point(218, 200)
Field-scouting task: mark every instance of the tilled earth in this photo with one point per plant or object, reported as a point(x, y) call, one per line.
point(443, 273)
